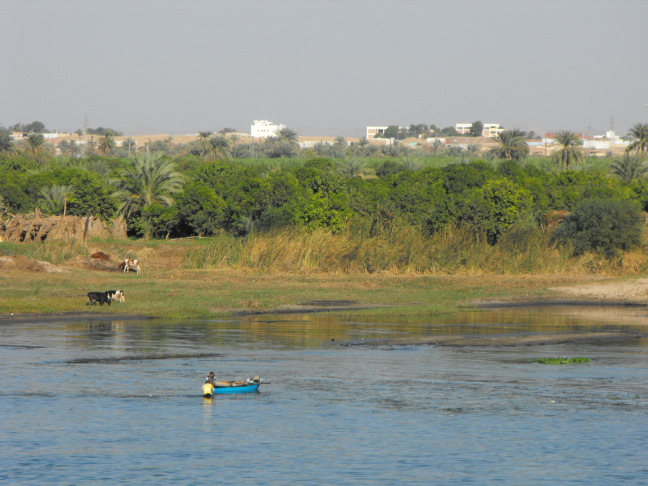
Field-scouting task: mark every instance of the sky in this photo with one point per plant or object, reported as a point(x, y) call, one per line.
point(323, 67)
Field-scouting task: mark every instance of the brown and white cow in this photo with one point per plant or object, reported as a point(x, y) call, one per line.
point(117, 295)
point(130, 264)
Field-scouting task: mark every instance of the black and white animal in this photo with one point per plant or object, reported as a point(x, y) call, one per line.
point(117, 295)
point(101, 297)
point(130, 264)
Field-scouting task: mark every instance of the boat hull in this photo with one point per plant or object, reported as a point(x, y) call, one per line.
point(236, 389)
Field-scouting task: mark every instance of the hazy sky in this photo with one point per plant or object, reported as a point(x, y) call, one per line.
point(328, 67)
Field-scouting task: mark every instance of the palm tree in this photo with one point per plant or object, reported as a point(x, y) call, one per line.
point(36, 147)
point(351, 167)
point(360, 147)
point(639, 132)
point(97, 165)
point(512, 145)
point(203, 144)
point(129, 143)
point(287, 135)
point(149, 179)
point(283, 144)
point(570, 152)
point(6, 141)
point(54, 199)
point(630, 167)
point(107, 142)
point(221, 148)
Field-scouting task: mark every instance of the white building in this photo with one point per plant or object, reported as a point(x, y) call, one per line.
point(489, 129)
point(265, 129)
point(463, 128)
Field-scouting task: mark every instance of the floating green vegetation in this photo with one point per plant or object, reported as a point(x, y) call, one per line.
point(560, 361)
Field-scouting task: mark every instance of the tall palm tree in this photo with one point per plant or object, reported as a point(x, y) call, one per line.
point(512, 145)
point(221, 148)
point(54, 199)
point(203, 144)
point(639, 132)
point(351, 167)
point(107, 142)
point(360, 147)
point(287, 135)
point(630, 167)
point(98, 166)
point(130, 144)
point(283, 144)
point(569, 152)
point(36, 147)
point(149, 179)
point(6, 141)
point(339, 147)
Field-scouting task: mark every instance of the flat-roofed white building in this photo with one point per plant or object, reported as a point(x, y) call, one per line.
point(492, 130)
point(265, 129)
point(489, 129)
point(463, 128)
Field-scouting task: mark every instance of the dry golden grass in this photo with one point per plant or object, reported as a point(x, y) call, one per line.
point(206, 277)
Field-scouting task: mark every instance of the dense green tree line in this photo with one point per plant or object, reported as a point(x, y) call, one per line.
point(160, 196)
point(209, 191)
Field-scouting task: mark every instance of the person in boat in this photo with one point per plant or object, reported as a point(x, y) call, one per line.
point(208, 388)
point(211, 378)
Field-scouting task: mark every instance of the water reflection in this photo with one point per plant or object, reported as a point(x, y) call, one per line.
point(317, 330)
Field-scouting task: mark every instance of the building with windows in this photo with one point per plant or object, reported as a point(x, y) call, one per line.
point(489, 130)
point(265, 129)
point(463, 128)
point(373, 132)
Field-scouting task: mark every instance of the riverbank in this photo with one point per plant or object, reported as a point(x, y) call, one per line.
point(163, 290)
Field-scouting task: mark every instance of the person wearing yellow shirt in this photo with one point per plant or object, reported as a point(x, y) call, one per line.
point(208, 389)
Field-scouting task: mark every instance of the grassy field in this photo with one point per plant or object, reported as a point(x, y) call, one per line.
point(211, 277)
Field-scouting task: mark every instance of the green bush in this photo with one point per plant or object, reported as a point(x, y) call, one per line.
point(602, 225)
point(560, 361)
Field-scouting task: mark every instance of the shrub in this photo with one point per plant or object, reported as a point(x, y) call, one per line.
point(560, 361)
point(390, 167)
point(602, 225)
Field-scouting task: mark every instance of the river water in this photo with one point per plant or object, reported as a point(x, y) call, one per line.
point(118, 402)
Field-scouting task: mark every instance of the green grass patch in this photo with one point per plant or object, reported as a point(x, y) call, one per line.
point(562, 361)
point(208, 277)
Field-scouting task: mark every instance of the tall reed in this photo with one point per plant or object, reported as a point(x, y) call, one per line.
point(51, 251)
point(221, 252)
point(400, 249)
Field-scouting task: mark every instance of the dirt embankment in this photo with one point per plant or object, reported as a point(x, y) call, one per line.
point(26, 264)
point(631, 291)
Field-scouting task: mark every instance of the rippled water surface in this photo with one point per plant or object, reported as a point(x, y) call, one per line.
point(119, 402)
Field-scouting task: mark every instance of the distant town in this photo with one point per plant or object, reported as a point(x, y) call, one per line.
point(475, 137)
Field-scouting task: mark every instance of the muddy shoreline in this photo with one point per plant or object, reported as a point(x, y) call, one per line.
point(308, 308)
point(620, 336)
point(507, 341)
point(70, 317)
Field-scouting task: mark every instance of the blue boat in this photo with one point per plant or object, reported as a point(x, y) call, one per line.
point(245, 386)
point(252, 387)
